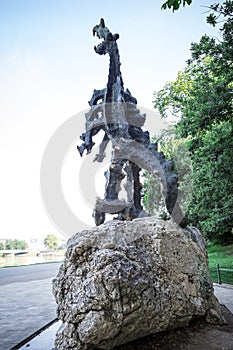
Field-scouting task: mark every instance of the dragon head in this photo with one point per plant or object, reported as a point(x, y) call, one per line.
point(102, 32)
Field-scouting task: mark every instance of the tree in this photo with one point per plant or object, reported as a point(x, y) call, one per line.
point(51, 242)
point(212, 202)
point(174, 149)
point(9, 244)
point(2, 246)
point(12, 244)
point(19, 244)
point(202, 100)
point(219, 10)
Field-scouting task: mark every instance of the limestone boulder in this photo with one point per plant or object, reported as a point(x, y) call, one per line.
point(124, 280)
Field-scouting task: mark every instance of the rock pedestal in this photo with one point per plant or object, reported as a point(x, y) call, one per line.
point(125, 280)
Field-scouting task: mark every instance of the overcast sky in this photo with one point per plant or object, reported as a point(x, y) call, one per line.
point(48, 70)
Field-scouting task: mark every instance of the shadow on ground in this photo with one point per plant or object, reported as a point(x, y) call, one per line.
point(199, 336)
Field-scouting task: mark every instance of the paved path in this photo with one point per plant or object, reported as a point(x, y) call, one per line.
point(28, 306)
point(28, 273)
point(224, 293)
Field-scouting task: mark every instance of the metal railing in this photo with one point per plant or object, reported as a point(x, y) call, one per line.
point(219, 269)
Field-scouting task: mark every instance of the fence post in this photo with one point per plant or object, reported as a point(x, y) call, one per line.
point(218, 272)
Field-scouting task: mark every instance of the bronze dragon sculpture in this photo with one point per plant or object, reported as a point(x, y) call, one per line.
point(114, 110)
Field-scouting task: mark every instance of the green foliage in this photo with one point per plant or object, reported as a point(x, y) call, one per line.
point(175, 4)
point(2, 246)
point(12, 244)
point(175, 149)
point(202, 100)
point(212, 203)
point(222, 255)
point(9, 244)
point(201, 95)
point(152, 200)
point(51, 242)
point(220, 11)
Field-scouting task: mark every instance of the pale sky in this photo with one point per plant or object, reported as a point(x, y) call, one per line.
point(48, 70)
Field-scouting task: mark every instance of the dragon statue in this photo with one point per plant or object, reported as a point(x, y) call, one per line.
point(114, 110)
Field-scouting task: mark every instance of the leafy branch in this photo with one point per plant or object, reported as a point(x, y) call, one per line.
point(175, 4)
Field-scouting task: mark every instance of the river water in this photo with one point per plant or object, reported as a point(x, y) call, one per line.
point(28, 260)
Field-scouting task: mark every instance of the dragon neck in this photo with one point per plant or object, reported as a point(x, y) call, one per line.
point(115, 86)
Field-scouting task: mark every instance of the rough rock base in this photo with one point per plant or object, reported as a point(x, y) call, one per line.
point(125, 280)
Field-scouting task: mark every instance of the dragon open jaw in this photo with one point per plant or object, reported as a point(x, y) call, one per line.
point(102, 32)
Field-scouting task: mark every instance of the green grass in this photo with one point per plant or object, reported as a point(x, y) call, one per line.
point(222, 255)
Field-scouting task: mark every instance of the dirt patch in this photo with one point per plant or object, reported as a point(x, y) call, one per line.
point(198, 336)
